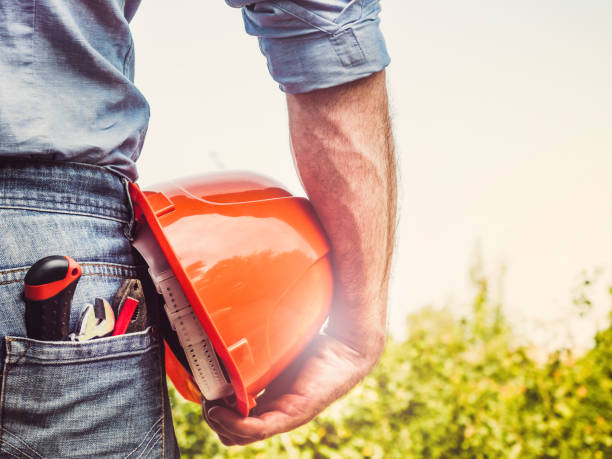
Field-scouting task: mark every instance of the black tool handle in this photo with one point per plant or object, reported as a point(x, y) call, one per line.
point(49, 288)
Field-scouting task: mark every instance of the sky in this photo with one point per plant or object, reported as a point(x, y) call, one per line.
point(502, 115)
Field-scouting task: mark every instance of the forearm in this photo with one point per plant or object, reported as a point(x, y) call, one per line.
point(342, 143)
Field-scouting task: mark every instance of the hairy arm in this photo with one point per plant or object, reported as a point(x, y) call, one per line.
point(343, 149)
point(342, 144)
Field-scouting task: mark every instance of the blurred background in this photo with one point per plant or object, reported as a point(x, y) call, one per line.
point(502, 114)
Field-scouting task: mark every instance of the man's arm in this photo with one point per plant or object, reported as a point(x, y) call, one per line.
point(342, 144)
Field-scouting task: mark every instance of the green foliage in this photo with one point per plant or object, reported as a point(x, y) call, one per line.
point(454, 388)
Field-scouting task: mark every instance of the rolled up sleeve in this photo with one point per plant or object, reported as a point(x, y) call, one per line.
point(314, 44)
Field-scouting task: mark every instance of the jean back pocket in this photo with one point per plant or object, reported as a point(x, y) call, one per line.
point(65, 399)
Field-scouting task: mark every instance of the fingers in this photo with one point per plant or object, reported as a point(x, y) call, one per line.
point(226, 436)
point(233, 429)
point(294, 398)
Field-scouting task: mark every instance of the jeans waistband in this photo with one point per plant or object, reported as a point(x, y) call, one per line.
point(57, 186)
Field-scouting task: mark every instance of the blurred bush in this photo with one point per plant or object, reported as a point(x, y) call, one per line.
point(454, 388)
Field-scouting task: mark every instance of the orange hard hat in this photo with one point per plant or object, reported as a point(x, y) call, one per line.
point(250, 265)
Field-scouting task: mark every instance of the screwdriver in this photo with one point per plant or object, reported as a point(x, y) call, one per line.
point(48, 290)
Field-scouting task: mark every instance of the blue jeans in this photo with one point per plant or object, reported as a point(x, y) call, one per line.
point(101, 398)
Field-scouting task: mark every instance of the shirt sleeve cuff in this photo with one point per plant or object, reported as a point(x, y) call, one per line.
point(321, 60)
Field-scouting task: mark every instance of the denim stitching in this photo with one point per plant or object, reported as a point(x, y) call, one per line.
point(4, 375)
point(9, 352)
point(143, 445)
point(147, 447)
point(13, 270)
point(10, 282)
point(8, 452)
point(148, 436)
point(63, 211)
point(152, 447)
point(89, 269)
point(98, 358)
point(7, 361)
point(63, 202)
point(22, 442)
point(145, 437)
point(118, 276)
point(163, 392)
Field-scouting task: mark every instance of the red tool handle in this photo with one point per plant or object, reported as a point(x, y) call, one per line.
point(48, 290)
point(125, 316)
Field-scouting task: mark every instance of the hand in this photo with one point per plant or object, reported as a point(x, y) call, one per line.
point(325, 371)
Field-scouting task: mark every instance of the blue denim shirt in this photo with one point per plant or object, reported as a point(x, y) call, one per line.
point(67, 69)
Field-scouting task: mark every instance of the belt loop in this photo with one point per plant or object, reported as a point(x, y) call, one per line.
point(128, 230)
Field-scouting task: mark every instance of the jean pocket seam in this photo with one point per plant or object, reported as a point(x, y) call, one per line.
point(90, 269)
point(9, 362)
point(22, 442)
point(18, 447)
point(99, 358)
point(8, 452)
point(147, 437)
point(151, 447)
point(36, 207)
point(50, 353)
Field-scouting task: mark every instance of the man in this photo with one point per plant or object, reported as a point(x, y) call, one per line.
point(72, 125)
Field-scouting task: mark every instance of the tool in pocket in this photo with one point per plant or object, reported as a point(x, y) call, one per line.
point(130, 308)
point(97, 320)
point(48, 290)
